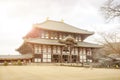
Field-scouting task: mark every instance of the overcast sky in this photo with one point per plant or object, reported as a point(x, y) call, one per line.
point(18, 16)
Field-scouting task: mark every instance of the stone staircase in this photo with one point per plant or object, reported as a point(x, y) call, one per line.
point(43, 64)
point(56, 64)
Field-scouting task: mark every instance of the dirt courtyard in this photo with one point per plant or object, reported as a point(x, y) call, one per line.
point(57, 73)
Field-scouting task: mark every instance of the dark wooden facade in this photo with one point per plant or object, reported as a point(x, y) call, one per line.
point(55, 53)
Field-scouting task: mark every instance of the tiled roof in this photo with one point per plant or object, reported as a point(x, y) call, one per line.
point(27, 56)
point(86, 44)
point(43, 41)
point(61, 26)
point(56, 42)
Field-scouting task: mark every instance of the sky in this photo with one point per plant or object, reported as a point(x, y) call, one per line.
point(18, 16)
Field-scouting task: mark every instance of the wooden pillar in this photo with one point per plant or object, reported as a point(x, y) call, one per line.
point(57, 34)
point(41, 53)
point(51, 53)
point(59, 54)
point(70, 57)
point(86, 54)
point(80, 50)
point(82, 57)
point(61, 59)
point(78, 55)
point(48, 34)
point(92, 54)
point(33, 60)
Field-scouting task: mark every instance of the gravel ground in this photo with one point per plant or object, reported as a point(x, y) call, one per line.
point(57, 73)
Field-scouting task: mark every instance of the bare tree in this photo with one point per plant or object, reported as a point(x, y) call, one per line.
point(111, 9)
point(111, 42)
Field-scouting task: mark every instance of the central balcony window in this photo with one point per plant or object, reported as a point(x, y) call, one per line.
point(54, 35)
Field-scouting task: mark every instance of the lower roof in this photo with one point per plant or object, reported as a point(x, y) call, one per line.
point(56, 42)
point(14, 57)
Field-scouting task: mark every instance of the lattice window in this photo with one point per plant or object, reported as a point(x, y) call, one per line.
point(58, 49)
point(46, 34)
point(60, 36)
point(49, 49)
point(44, 48)
point(36, 49)
point(46, 57)
point(54, 49)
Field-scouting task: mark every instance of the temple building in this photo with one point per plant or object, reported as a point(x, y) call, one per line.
point(56, 41)
point(14, 58)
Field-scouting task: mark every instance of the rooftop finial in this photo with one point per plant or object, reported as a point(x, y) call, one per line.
point(62, 20)
point(47, 18)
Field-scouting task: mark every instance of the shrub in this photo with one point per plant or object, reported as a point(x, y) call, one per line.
point(14, 63)
point(19, 62)
point(5, 63)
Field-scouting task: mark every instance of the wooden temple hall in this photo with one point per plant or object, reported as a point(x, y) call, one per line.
point(56, 41)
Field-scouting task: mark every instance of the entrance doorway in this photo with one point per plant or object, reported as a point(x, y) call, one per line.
point(56, 58)
point(74, 58)
point(65, 58)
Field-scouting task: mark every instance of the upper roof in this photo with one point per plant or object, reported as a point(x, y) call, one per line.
point(61, 26)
